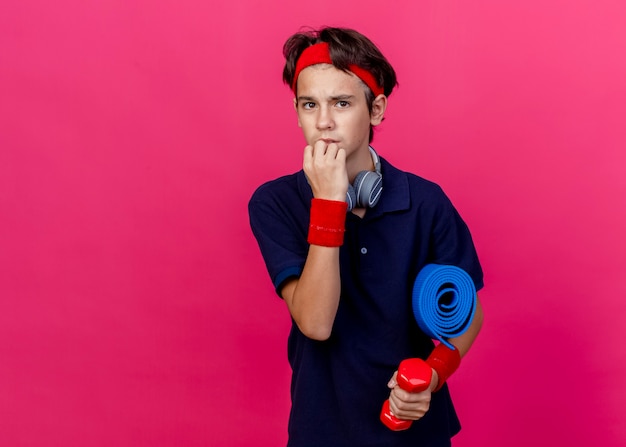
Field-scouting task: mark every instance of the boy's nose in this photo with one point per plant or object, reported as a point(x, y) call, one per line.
point(324, 119)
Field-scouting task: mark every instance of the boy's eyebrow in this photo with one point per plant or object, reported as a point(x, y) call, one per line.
point(341, 97)
point(332, 98)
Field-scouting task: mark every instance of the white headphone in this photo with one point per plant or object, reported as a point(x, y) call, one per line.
point(367, 187)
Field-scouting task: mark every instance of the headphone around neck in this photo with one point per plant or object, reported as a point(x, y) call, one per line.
point(367, 187)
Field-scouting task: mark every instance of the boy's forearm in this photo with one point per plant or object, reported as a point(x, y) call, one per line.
point(313, 298)
point(464, 342)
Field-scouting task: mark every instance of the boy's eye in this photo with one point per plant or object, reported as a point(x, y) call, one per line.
point(308, 105)
point(343, 104)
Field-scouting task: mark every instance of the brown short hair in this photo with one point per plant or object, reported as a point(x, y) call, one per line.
point(346, 47)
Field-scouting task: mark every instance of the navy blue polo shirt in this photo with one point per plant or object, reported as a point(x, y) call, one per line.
point(339, 385)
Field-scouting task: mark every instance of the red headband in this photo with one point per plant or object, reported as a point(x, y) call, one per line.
point(319, 54)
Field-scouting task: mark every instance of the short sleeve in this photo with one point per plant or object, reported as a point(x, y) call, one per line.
point(279, 220)
point(452, 242)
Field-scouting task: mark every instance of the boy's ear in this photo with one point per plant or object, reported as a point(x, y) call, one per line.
point(378, 110)
point(295, 106)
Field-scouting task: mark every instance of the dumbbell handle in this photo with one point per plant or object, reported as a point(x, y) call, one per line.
point(414, 376)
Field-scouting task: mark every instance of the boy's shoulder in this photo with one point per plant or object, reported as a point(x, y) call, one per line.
point(414, 182)
point(284, 189)
point(279, 183)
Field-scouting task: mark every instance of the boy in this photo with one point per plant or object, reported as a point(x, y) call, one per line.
point(343, 241)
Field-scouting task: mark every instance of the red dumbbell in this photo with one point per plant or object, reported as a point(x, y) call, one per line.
point(414, 376)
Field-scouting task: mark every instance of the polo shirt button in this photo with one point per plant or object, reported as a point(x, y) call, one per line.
point(364, 251)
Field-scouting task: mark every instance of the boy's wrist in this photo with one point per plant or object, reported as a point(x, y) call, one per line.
point(444, 361)
point(327, 222)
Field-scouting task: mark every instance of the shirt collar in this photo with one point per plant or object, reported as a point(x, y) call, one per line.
point(395, 195)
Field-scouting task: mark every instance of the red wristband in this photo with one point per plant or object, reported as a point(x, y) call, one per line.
point(327, 222)
point(445, 361)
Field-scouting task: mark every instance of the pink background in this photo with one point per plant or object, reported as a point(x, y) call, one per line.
point(134, 305)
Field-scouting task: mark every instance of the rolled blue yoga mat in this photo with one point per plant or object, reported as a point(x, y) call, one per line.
point(444, 301)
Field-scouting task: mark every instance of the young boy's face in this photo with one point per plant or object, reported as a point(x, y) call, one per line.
point(331, 106)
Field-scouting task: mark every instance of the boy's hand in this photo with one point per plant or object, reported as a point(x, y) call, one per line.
point(325, 167)
point(410, 406)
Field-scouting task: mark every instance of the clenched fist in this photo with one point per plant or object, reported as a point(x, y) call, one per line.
point(325, 168)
